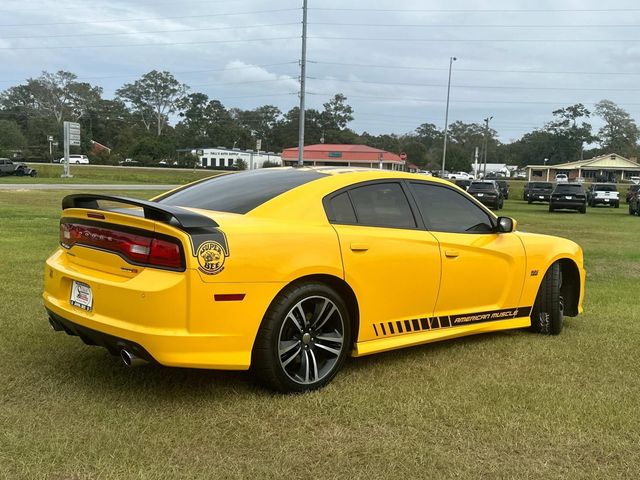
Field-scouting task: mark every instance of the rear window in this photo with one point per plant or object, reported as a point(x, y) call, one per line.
point(605, 188)
point(240, 192)
point(568, 188)
point(481, 187)
point(542, 185)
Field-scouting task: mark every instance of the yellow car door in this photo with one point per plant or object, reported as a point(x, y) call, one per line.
point(390, 260)
point(482, 271)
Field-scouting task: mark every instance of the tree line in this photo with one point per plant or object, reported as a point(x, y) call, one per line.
point(153, 117)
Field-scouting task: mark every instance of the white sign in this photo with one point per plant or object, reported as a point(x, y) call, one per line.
point(258, 144)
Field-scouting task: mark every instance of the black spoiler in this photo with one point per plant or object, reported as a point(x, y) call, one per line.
point(152, 210)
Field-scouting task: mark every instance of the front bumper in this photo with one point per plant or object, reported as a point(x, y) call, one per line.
point(568, 204)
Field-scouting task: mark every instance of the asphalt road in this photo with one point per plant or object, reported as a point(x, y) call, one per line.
point(82, 186)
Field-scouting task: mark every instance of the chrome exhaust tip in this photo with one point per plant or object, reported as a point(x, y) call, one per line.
point(131, 360)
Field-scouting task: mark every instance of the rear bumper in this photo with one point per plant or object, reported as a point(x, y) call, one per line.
point(537, 197)
point(488, 201)
point(567, 204)
point(603, 201)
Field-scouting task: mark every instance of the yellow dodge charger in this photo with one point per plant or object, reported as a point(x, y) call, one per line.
point(287, 271)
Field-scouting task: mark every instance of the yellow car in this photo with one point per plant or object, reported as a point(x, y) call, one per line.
point(287, 271)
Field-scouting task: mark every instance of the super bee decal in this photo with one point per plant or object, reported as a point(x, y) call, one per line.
point(436, 323)
point(211, 249)
point(211, 257)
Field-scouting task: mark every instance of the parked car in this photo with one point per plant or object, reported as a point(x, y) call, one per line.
point(561, 177)
point(634, 203)
point(537, 191)
point(504, 188)
point(603, 194)
point(460, 176)
point(463, 184)
point(631, 191)
point(8, 167)
point(568, 196)
point(204, 276)
point(129, 162)
point(487, 192)
point(76, 159)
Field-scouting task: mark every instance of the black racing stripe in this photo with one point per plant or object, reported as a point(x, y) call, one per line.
point(407, 325)
point(391, 328)
point(424, 322)
point(445, 321)
point(416, 324)
point(384, 330)
point(399, 325)
point(434, 322)
point(375, 329)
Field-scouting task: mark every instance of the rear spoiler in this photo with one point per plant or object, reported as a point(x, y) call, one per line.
point(186, 219)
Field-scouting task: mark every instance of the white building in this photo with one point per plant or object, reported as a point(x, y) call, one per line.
point(501, 168)
point(227, 157)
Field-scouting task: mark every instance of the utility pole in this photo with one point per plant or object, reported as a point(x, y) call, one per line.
point(486, 144)
point(303, 75)
point(446, 117)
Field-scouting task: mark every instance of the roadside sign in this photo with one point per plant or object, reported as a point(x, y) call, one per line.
point(258, 144)
point(199, 152)
point(403, 156)
point(71, 139)
point(49, 138)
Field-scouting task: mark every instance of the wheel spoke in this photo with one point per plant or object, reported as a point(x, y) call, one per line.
point(324, 318)
point(287, 346)
point(332, 350)
point(330, 337)
point(293, 318)
point(290, 359)
point(303, 315)
point(304, 367)
point(314, 364)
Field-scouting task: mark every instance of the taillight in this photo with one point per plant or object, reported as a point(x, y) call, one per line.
point(137, 248)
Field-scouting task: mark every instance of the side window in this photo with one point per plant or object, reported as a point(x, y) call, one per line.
point(382, 205)
point(341, 210)
point(445, 210)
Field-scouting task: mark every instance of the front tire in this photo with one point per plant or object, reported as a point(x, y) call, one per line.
point(303, 340)
point(547, 316)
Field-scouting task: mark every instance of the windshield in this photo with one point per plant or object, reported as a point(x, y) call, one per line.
point(481, 187)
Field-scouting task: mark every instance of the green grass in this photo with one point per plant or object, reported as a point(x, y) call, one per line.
point(504, 405)
point(50, 173)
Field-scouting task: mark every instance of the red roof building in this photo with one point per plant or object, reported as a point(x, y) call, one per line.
point(344, 156)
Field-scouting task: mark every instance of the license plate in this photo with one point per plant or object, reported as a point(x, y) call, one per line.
point(606, 199)
point(541, 197)
point(81, 296)
point(481, 194)
point(568, 197)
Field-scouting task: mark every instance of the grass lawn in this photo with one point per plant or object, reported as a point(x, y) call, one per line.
point(50, 173)
point(504, 405)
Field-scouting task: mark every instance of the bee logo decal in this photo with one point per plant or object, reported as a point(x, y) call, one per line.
point(211, 256)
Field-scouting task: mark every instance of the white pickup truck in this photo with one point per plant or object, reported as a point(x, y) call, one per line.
point(603, 194)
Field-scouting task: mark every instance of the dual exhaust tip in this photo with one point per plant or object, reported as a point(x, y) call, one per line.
point(128, 358)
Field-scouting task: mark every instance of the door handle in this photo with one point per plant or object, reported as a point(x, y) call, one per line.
point(359, 247)
point(451, 253)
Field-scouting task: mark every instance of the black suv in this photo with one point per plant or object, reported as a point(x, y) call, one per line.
point(633, 189)
point(463, 184)
point(487, 193)
point(537, 191)
point(504, 188)
point(568, 196)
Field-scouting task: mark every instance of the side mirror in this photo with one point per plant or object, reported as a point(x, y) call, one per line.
point(506, 225)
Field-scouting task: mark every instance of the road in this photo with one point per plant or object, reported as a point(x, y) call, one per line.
point(80, 186)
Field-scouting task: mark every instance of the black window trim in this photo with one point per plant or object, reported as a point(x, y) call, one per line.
point(492, 219)
point(417, 217)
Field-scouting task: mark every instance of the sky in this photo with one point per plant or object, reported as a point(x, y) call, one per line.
point(517, 61)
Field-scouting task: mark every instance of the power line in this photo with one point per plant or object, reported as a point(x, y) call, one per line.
point(473, 25)
point(483, 40)
point(543, 72)
point(475, 10)
point(187, 72)
point(499, 87)
point(149, 19)
point(189, 30)
point(156, 44)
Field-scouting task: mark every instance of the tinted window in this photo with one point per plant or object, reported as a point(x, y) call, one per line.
point(341, 210)
point(445, 210)
point(606, 188)
point(542, 185)
point(382, 205)
point(481, 187)
point(568, 188)
point(240, 192)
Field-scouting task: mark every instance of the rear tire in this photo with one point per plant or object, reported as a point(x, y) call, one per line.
point(551, 209)
point(583, 209)
point(617, 205)
point(547, 315)
point(303, 340)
